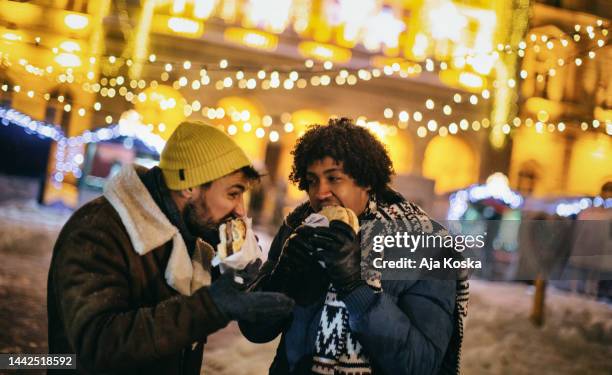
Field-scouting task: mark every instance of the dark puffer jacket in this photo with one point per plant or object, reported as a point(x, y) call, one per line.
point(410, 328)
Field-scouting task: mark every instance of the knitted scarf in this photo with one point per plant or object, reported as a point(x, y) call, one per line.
point(337, 351)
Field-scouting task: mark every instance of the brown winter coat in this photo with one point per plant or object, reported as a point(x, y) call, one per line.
point(113, 306)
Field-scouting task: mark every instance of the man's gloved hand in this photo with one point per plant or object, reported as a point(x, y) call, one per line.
point(339, 248)
point(229, 294)
point(296, 254)
point(298, 272)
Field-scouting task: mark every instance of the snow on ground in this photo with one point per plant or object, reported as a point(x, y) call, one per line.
point(499, 339)
point(27, 234)
point(576, 337)
point(228, 353)
point(31, 215)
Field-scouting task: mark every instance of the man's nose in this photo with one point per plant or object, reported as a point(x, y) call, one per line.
point(240, 209)
point(323, 191)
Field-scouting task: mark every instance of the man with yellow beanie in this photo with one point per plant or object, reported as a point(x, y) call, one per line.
point(131, 288)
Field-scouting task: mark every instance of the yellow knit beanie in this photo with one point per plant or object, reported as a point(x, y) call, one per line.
point(198, 153)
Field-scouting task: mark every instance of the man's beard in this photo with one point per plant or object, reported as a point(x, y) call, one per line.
point(206, 229)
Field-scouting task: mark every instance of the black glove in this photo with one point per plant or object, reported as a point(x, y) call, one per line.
point(298, 272)
point(229, 294)
point(296, 254)
point(339, 248)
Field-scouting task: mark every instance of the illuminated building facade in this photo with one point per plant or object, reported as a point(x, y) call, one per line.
point(566, 98)
point(441, 82)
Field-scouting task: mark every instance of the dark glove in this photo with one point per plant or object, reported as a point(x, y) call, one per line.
point(339, 248)
point(296, 254)
point(229, 294)
point(298, 272)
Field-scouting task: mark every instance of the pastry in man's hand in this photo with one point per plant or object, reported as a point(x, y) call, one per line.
point(232, 234)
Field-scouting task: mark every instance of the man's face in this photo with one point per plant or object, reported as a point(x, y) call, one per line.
point(329, 185)
point(209, 207)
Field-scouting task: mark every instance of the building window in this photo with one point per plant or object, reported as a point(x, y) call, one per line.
point(554, 3)
point(6, 92)
point(606, 190)
point(59, 109)
point(527, 178)
point(70, 5)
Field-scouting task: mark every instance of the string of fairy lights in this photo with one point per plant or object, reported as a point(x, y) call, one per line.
point(118, 87)
point(222, 75)
point(293, 79)
point(540, 123)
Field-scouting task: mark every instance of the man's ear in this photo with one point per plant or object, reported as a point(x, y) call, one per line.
point(187, 193)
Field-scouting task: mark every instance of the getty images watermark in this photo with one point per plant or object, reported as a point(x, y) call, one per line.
point(413, 242)
point(493, 249)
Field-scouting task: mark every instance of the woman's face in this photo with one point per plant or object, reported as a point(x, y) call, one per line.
point(329, 185)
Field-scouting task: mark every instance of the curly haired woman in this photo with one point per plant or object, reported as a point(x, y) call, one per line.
point(348, 319)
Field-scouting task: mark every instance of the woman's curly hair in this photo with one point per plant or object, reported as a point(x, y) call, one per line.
point(364, 158)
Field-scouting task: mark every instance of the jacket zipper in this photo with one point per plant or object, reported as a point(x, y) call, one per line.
point(182, 362)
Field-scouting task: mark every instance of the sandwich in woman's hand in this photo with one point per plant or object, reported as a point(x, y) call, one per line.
point(232, 234)
point(343, 214)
